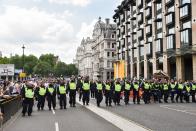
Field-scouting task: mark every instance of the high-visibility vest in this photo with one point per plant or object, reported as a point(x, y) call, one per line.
point(29, 93)
point(188, 89)
point(127, 86)
point(51, 90)
point(42, 91)
point(107, 87)
point(180, 86)
point(165, 87)
point(136, 87)
point(146, 86)
point(156, 86)
point(99, 86)
point(62, 89)
point(86, 86)
point(193, 87)
point(117, 87)
point(173, 86)
point(72, 86)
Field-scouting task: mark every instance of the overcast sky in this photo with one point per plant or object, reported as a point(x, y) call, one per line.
point(49, 26)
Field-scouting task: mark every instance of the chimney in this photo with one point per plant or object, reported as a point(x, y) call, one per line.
point(107, 20)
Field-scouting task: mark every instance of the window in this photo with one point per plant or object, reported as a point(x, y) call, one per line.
point(184, 1)
point(135, 53)
point(159, 35)
point(158, 45)
point(171, 31)
point(170, 42)
point(170, 9)
point(149, 39)
point(113, 45)
point(169, 18)
point(113, 36)
point(140, 34)
point(108, 75)
point(186, 25)
point(108, 64)
point(113, 54)
point(184, 11)
point(108, 45)
point(149, 49)
point(159, 25)
point(149, 21)
point(159, 6)
point(108, 54)
point(141, 51)
point(148, 29)
point(185, 39)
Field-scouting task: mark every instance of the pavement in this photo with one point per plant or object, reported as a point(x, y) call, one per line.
point(157, 117)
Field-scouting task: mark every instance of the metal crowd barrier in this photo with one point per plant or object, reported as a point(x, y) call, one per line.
point(9, 107)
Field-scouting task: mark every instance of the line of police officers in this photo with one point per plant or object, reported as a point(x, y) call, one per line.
point(111, 89)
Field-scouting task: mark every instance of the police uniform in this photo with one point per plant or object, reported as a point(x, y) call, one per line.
point(127, 88)
point(86, 92)
point(99, 93)
point(193, 90)
point(165, 92)
point(28, 99)
point(72, 93)
point(117, 94)
point(108, 94)
point(188, 91)
point(62, 96)
point(146, 95)
point(180, 88)
point(172, 91)
point(41, 93)
point(135, 87)
point(51, 96)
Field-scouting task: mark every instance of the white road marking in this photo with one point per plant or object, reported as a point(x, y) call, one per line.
point(56, 126)
point(118, 121)
point(53, 111)
point(184, 111)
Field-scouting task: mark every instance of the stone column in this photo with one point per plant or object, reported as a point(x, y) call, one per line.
point(180, 68)
point(194, 66)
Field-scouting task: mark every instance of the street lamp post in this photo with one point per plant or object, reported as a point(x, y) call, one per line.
point(23, 48)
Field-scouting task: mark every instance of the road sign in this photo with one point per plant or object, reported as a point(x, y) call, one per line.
point(6, 69)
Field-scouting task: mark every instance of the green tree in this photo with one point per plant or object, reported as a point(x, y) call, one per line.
point(60, 69)
point(30, 62)
point(49, 58)
point(71, 70)
point(4, 60)
point(43, 69)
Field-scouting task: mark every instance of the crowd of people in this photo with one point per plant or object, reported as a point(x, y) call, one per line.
point(114, 91)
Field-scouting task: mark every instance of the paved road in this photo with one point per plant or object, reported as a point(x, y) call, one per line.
point(159, 117)
point(72, 119)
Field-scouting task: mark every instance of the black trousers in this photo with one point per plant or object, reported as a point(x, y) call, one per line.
point(41, 102)
point(126, 94)
point(27, 106)
point(117, 97)
point(63, 101)
point(179, 94)
point(85, 98)
point(51, 101)
point(72, 97)
point(166, 94)
point(173, 92)
point(108, 97)
point(146, 96)
point(80, 95)
point(136, 95)
point(193, 95)
point(92, 94)
point(99, 97)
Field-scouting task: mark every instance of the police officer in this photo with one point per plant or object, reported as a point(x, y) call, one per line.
point(172, 87)
point(61, 90)
point(92, 88)
point(117, 94)
point(180, 88)
point(86, 91)
point(99, 92)
point(165, 91)
point(193, 90)
point(27, 93)
point(187, 93)
point(146, 89)
point(79, 87)
point(127, 88)
point(41, 93)
point(72, 92)
point(51, 96)
point(135, 87)
point(108, 93)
